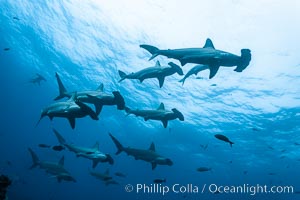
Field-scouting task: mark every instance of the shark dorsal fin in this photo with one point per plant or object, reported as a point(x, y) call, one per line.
point(100, 87)
point(208, 44)
point(152, 147)
point(96, 146)
point(161, 106)
point(61, 161)
point(106, 172)
point(157, 64)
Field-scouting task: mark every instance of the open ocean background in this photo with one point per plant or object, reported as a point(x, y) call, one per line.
point(88, 41)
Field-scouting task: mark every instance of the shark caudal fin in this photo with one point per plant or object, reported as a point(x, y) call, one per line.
point(122, 75)
point(182, 80)
point(61, 88)
point(119, 100)
point(60, 139)
point(117, 143)
point(245, 60)
point(231, 143)
point(151, 49)
point(34, 157)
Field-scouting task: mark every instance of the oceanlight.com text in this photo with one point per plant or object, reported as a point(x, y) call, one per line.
point(177, 188)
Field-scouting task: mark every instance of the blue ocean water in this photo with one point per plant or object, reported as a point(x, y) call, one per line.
point(87, 42)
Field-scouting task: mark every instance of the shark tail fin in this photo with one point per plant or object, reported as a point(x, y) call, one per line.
point(109, 159)
point(117, 143)
point(182, 81)
point(231, 143)
point(34, 157)
point(61, 88)
point(60, 139)
point(119, 100)
point(151, 49)
point(245, 60)
point(122, 75)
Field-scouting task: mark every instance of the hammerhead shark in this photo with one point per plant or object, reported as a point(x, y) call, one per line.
point(195, 70)
point(37, 80)
point(157, 71)
point(105, 177)
point(207, 55)
point(56, 169)
point(97, 97)
point(71, 109)
point(160, 114)
point(93, 153)
point(148, 155)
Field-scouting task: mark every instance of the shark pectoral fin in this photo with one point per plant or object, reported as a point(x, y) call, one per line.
point(58, 179)
point(95, 163)
point(72, 122)
point(98, 108)
point(141, 79)
point(165, 123)
point(62, 161)
point(157, 64)
point(213, 70)
point(153, 165)
point(161, 80)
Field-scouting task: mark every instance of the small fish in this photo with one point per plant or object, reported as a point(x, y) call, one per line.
point(230, 161)
point(159, 180)
point(6, 49)
point(58, 148)
point(16, 18)
point(44, 146)
point(224, 138)
point(204, 146)
point(245, 172)
point(120, 174)
point(270, 147)
point(283, 150)
point(255, 129)
point(282, 157)
point(8, 163)
point(213, 85)
point(199, 77)
point(272, 173)
point(296, 143)
point(297, 192)
point(204, 169)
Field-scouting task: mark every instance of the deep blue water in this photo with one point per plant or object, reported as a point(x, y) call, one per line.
point(87, 42)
